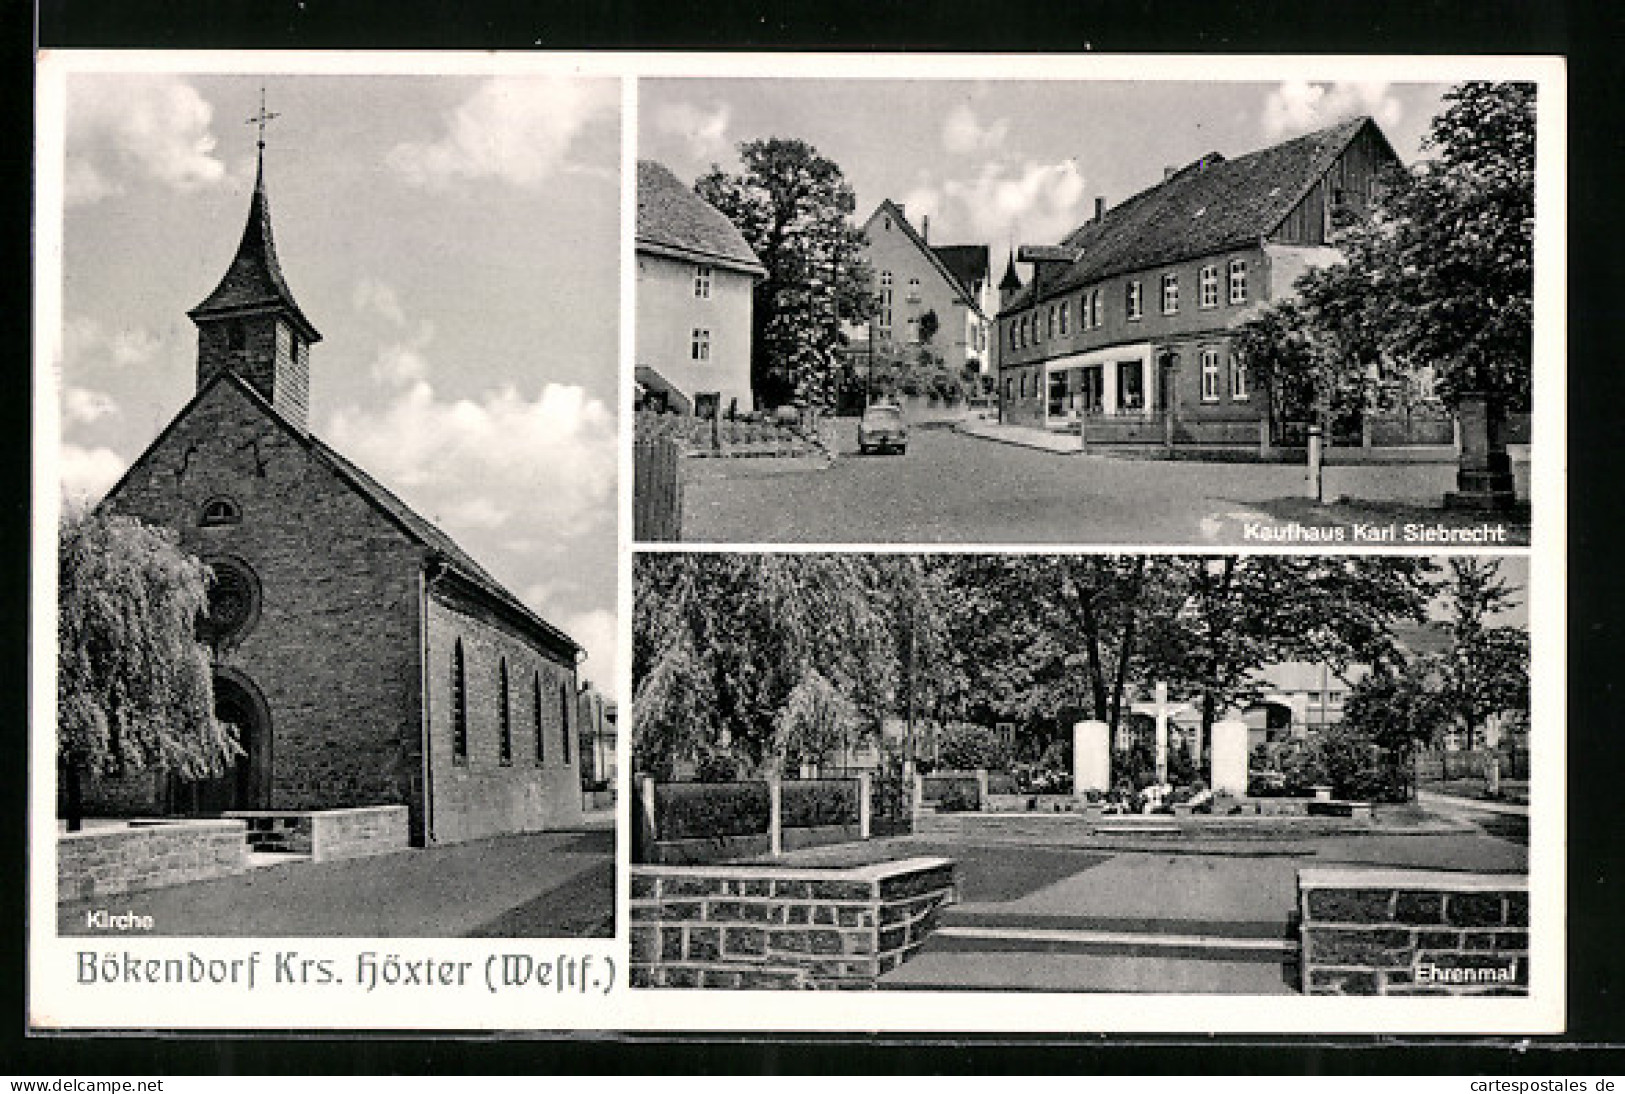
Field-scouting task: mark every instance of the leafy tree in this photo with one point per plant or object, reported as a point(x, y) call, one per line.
point(1239, 613)
point(134, 685)
point(1395, 710)
point(793, 207)
point(1486, 669)
point(929, 325)
point(964, 746)
point(816, 720)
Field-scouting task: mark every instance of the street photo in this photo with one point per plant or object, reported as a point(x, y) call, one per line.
point(1257, 775)
point(1195, 312)
point(334, 505)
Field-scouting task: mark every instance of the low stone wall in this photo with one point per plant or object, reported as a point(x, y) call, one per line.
point(1413, 932)
point(328, 834)
point(753, 926)
point(104, 861)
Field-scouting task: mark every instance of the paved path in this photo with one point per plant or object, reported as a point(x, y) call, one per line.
point(1070, 919)
point(543, 885)
point(954, 488)
point(1454, 803)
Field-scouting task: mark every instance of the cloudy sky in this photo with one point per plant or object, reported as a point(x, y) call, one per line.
point(455, 241)
point(991, 161)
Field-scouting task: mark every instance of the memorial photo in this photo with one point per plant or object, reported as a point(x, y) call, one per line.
point(1168, 774)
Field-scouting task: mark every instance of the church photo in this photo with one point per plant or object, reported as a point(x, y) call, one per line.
point(338, 362)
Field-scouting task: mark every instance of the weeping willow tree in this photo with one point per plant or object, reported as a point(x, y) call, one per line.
point(771, 658)
point(134, 685)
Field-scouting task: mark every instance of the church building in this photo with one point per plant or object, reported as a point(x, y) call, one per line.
point(363, 656)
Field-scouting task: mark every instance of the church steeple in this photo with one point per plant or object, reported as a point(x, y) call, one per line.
point(250, 324)
point(1010, 284)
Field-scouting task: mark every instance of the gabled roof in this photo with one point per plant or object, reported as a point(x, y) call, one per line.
point(673, 219)
point(253, 282)
point(1211, 205)
point(967, 262)
point(896, 213)
point(416, 528)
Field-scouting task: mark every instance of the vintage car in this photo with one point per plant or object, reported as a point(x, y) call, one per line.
point(882, 428)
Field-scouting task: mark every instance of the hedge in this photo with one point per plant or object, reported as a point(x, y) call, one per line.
point(711, 810)
point(816, 803)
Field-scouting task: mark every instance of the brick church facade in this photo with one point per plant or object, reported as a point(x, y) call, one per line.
point(365, 658)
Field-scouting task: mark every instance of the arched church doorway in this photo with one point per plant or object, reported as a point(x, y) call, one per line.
point(246, 784)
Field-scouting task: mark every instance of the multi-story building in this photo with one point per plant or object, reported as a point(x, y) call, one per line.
point(1130, 317)
point(696, 276)
point(914, 279)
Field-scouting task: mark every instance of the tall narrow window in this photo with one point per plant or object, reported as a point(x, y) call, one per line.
point(1210, 376)
point(459, 706)
point(1097, 309)
point(1132, 302)
point(1209, 285)
point(700, 346)
point(1051, 332)
point(885, 304)
point(504, 717)
point(1240, 384)
point(536, 717)
point(236, 336)
point(702, 282)
point(1066, 314)
point(1238, 281)
point(564, 721)
point(1170, 293)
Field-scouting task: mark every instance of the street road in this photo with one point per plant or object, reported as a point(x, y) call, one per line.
point(952, 488)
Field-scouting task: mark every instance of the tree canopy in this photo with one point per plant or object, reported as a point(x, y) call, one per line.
point(1438, 282)
point(134, 684)
point(794, 208)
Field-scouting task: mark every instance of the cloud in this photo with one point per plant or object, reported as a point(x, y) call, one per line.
point(81, 405)
point(963, 135)
point(514, 130)
point(377, 298)
point(87, 473)
point(85, 342)
point(1298, 107)
point(922, 202)
point(149, 128)
point(505, 461)
point(1039, 200)
point(706, 134)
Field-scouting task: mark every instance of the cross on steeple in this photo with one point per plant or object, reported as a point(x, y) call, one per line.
point(261, 118)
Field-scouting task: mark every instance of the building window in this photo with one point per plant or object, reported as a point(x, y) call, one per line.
point(1238, 281)
point(1051, 321)
point(233, 600)
point(885, 302)
point(536, 717)
point(564, 721)
point(913, 290)
point(1240, 384)
point(700, 344)
point(1210, 376)
point(1097, 310)
point(1170, 293)
point(459, 706)
point(219, 512)
point(1132, 303)
point(236, 336)
point(1009, 390)
point(1066, 312)
point(504, 717)
point(702, 282)
point(1038, 327)
point(1209, 287)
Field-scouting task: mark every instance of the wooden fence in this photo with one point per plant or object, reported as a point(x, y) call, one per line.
point(657, 490)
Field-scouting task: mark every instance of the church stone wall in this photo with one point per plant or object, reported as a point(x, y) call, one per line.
point(333, 646)
point(480, 795)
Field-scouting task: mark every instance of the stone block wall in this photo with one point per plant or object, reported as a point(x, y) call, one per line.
point(330, 833)
point(752, 926)
point(100, 862)
point(1413, 932)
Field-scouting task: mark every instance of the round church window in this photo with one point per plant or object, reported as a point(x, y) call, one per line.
point(233, 600)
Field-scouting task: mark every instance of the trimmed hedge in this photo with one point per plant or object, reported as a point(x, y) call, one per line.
point(814, 803)
point(711, 810)
point(952, 793)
